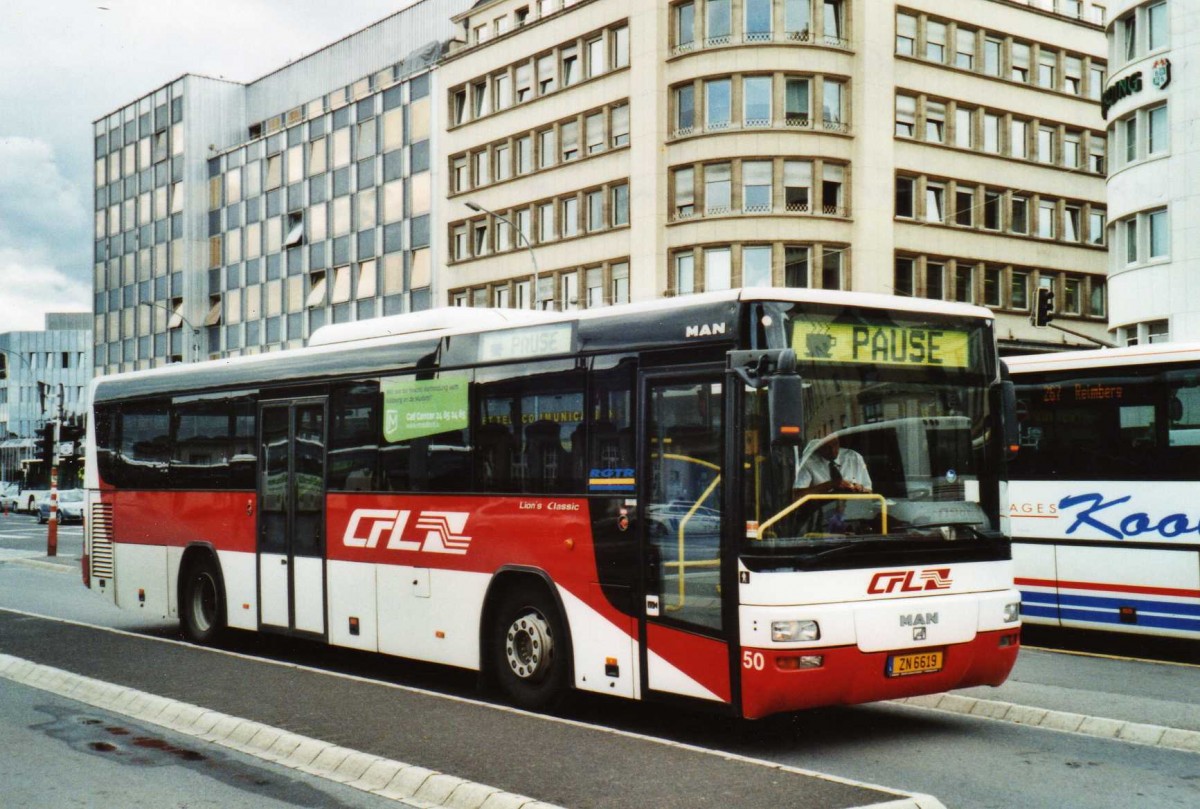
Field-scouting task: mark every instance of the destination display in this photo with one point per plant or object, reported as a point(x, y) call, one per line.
point(881, 344)
point(533, 341)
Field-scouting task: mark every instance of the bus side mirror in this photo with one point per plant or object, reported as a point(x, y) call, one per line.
point(785, 400)
point(1012, 430)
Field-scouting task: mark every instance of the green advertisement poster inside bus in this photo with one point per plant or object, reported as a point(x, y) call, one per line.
point(415, 408)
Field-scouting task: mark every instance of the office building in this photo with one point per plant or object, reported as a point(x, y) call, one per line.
point(621, 150)
point(1154, 198)
point(41, 366)
point(235, 218)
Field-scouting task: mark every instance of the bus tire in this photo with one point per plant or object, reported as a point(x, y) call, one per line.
point(202, 600)
point(529, 648)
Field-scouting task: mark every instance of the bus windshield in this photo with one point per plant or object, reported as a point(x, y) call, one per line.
point(895, 424)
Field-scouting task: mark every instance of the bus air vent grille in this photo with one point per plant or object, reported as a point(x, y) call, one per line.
point(101, 526)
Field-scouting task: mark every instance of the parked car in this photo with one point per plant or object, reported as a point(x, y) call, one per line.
point(28, 500)
point(70, 507)
point(9, 494)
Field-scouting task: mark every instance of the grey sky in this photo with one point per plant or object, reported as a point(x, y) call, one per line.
point(65, 63)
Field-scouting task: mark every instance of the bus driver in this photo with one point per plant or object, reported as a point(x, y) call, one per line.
point(829, 468)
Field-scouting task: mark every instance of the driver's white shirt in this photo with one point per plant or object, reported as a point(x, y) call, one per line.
point(815, 470)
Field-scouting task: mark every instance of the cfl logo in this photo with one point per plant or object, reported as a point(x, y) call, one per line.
point(909, 581)
point(443, 530)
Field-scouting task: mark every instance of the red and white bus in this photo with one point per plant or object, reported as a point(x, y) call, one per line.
point(601, 500)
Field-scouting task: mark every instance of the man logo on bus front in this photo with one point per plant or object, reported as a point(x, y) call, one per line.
point(443, 530)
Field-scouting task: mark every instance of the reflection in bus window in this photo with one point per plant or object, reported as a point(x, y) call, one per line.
point(530, 433)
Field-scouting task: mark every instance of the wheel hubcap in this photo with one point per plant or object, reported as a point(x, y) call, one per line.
point(204, 602)
point(529, 646)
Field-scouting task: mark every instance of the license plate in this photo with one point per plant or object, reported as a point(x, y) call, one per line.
point(919, 663)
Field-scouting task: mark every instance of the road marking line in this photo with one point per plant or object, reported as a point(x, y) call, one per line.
point(1119, 658)
point(903, 799)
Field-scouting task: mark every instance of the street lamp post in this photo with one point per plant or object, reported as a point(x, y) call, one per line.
point(195, 352)
point(475, 206)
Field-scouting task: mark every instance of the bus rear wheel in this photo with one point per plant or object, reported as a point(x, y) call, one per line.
point(202, 602)
point(529, 649)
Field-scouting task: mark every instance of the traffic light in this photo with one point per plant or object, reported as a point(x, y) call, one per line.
point(1043, 307)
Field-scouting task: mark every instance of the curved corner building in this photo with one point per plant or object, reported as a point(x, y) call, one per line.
point(1152, 185)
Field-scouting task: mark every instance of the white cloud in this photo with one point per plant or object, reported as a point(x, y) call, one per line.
point(44, 237)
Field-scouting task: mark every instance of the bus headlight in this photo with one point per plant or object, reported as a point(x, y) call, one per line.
point(792, 631)
point(1012, 612)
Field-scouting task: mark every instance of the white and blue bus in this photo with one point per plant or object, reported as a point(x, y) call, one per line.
point(1104, 494)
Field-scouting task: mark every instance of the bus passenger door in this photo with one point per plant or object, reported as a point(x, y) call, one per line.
point(291, 496)
point(685, 644)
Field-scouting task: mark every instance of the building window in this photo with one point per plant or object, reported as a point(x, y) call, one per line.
point(1129, 131)
point(935, 41)
point(717, 22)
point(1160, 239)
point(620, 125)
point(685, 109)
point(756, 266)
point(1099, 302)
point(717, 188)
point(833, 177)
point(797, 112)
point(935, 198)
point(964, 282)
point(620, 283)
point(685, 193)
point(1046, 211)
point(1156, 22)
point(906, 34)
point(1019, 290)
point(1131, 240)
point(718, 269)
point(685, 26)
point(991, 133)
point(1096, 227)
point(1071, 223)
point(758, 20)
point(1018, 138)
point(1071, 150)
point(832, 102)
point(831, 268)
point(964, 136)
point(906, 116)
point(1046, 137)
point(992, 200)
point(906, 188)
point(756, 186)
point(1073, 75)
point(834, 22)
point(595, 211)
point(1128, 27)
point(795, 265)
point(756, 100)
point(964, 49)
point(992, 278)
point(797, 19)
point(992, 49)
point(717, 104)
point(902, 282)
point(570, 217)
point(935, 279)
point(1020, 62)
point(685, 273)
point(1047, 69)
point(1157, 137)
point(964, 210)
point(620, 205)
point(797, 182)
point(1020, 215)
point(935, 121)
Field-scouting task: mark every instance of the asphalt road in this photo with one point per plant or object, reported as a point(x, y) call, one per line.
point(965, 761)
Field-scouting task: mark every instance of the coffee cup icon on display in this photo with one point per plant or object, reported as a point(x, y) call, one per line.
point(820, 346)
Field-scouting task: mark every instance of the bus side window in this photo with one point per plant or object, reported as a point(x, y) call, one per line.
point(145, 448)
point(354, 437)
point(425, 444)
point(610, 443)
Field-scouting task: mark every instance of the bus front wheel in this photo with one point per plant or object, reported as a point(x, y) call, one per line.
point(529, 649)
point(202, 605)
